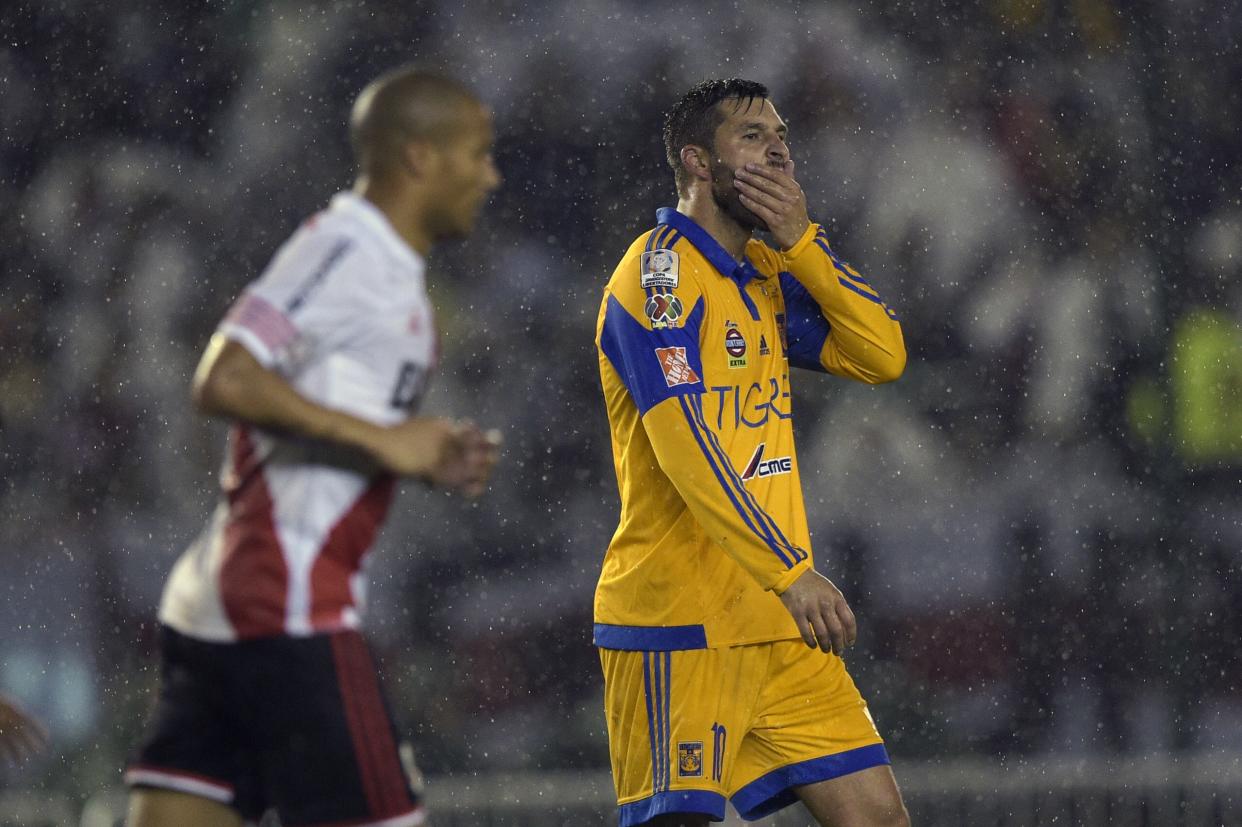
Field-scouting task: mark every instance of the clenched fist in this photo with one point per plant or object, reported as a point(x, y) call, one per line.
point(452, 454)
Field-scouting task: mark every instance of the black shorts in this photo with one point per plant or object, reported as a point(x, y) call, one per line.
point(295, 724)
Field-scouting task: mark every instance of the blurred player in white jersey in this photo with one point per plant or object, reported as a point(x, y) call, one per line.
point(269, 696)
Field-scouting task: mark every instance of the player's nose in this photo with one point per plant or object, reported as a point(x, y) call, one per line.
point(778, 151)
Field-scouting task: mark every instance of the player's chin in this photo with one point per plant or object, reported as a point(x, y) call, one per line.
point(753, 222)
point(460, 227)
point(742, 214)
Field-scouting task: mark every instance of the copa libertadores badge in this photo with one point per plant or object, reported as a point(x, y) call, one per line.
point(659, 269)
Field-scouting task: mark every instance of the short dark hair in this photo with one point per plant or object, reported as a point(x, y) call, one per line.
point(694, 118)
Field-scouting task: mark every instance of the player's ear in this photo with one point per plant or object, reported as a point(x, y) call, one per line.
point(417, 158)
point(695, 160)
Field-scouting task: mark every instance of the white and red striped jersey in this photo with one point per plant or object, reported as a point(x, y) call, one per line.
point(342, 313)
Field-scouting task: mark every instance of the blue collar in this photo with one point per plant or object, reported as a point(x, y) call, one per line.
point(741, 272)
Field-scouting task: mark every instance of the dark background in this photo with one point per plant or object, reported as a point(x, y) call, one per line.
point(1039, 526)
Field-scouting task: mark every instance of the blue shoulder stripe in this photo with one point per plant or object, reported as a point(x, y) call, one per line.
point(845, 273)
point(849, 285)
point(655, 241)
point(822, 240)
point(631, 348)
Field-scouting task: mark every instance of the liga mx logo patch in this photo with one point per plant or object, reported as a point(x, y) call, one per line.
point(663, 309)
point(689, 759)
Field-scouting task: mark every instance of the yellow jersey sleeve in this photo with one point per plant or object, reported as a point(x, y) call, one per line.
point(690, 454)
point(835, 319)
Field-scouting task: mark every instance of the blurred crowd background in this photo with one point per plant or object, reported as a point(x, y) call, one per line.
point(1039, 526)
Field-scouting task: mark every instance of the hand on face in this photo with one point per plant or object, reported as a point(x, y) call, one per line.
point(772, 194)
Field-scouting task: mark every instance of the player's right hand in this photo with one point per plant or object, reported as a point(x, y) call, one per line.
point(480, 452)
point(445, 452)
point(772, 193)
point(823, 617)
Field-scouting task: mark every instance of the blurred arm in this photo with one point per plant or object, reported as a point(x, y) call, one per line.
point(231, 383)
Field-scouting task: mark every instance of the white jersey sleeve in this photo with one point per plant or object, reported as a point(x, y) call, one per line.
point(300, 305)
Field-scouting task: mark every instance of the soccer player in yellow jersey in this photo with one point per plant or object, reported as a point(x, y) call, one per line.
point(720, 644)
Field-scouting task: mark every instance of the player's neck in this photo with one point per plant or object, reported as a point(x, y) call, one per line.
point(705, 212)
point(402, 212)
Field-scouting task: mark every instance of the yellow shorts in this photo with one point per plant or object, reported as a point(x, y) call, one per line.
point(689, 729)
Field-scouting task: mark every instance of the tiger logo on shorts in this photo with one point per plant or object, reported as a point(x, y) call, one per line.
point(689, 759)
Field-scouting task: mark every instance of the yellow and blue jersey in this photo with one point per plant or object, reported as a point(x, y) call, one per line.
point(694, 354)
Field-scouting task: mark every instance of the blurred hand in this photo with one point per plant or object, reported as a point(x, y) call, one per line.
point(823, 617)
point(479, 454)
point(772, 194)
point(20, 735)
point(447, 453)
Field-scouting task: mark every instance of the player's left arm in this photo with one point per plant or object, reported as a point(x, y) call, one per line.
point(836, 321)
